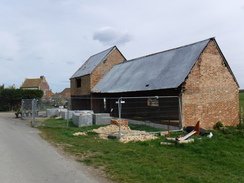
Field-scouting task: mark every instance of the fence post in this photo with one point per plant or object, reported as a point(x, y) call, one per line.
point(180, 113)
point(119, 108)
point(22, 108)
point(33, 121)
point(68, 108)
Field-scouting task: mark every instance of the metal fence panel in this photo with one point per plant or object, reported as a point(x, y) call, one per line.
point(153, 110)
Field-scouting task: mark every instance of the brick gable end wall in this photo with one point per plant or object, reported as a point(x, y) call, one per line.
point(104, 67)
point(210, 92)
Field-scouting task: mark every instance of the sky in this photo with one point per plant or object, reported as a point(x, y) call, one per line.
point(53, 38)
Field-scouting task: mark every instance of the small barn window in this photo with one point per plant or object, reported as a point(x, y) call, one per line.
point(78, 82)
point(153, 102)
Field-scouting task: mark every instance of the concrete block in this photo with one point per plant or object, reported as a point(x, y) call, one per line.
point(82, 118)
point(84, 112)
point(52, 112)
point(66, 114)
point(101, 118)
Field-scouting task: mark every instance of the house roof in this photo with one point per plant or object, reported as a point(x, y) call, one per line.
point(66, 92)
point(92, 63)
point(31, 83)
point(163, 70)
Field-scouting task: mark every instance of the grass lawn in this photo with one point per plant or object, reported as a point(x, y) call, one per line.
point(216, 159)
point(241, 99)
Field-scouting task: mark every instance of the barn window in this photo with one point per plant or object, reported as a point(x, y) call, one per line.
point(152, 102)
point(78, 82)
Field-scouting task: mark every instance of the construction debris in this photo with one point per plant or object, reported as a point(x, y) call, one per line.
point(185, 141)
point(186, 138)
point(127, 134)
point(165, 133)
point(79, 133)
point(118, 122)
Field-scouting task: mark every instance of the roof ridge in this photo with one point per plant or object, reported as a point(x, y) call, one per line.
point(111, 48)
point(168, 50)
point(96, 54)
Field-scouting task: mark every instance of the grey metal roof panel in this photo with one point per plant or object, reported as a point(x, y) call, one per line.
point(163, 70)
point(92, 63)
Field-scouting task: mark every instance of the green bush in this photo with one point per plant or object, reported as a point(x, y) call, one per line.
point(218, 125)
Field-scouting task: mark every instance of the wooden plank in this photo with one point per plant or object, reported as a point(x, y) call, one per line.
point(170, 138)
point(186, 136)
point(186, 141)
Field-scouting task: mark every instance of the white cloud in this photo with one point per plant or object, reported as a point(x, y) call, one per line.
point(110, 36)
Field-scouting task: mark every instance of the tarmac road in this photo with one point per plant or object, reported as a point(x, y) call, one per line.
point(26, 158)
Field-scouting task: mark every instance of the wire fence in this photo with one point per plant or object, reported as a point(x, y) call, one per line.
point(36, 108)
point(150, 110)
point(155, 111)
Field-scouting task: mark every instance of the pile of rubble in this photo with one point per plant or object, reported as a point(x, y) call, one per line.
point(127, 134)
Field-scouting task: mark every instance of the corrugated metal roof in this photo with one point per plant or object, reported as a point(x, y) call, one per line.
point(92, 63)
point(163, 70)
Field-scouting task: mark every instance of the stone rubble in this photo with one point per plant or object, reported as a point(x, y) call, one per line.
point(79, 133)
point(127, 134)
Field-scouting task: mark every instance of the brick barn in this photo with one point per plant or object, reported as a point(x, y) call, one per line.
point(89, 74)
point(196, 77)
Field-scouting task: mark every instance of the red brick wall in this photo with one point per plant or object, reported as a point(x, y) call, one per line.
point(210, 92)
point(45, 88)
point(102, 69)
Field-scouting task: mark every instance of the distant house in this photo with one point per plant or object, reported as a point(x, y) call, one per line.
point(90, 73)
point(62, 98)
point(197, 77)
point(39, 84)
point(65, 93)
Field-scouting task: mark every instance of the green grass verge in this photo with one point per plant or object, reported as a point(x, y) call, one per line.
point(219, 159)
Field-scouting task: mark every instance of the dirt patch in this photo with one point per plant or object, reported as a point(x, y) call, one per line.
point(127, 134)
